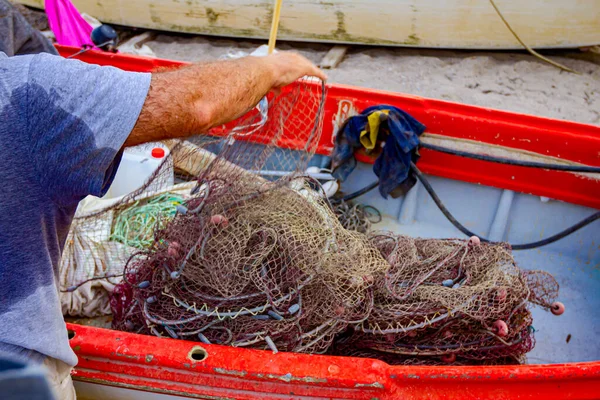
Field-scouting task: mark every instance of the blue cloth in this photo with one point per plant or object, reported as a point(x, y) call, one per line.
point(398, 130)
point(63, 124)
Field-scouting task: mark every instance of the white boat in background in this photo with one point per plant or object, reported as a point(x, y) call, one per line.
point(459, 24)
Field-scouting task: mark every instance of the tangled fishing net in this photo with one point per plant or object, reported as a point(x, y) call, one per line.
point(134, 226)
point(266, 263)
point(450, 301)
point(103, 235)
point(356, 217)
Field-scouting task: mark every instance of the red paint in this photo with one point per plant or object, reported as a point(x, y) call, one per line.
point(162, 365)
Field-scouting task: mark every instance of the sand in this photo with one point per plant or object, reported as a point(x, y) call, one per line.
point(513, 81)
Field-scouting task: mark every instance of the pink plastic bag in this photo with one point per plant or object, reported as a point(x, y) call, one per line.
point(68, 26)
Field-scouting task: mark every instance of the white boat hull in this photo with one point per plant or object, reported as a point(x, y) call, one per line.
point(461, 24)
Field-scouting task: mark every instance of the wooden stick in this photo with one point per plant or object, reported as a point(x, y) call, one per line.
point(274, 25)
point(333, 57)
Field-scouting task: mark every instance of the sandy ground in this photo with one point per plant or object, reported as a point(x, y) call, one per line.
point(513, 81)
point(509, 81)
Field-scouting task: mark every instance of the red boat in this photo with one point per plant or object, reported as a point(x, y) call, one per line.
point(119, 365)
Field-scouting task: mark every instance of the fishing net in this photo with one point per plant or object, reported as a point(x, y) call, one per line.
point(356, 217)
point(103, 235)
point(106, 232)
point(250, 261)
point(253, 259)
point(450, 301)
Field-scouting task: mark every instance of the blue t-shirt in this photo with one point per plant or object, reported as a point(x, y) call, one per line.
point(62, 126)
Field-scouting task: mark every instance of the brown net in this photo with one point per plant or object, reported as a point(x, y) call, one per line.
point(449, 300)
point(356, 217)
point(241, 257)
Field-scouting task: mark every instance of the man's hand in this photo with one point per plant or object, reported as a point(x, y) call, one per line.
point(191, 100)
point(289, 67)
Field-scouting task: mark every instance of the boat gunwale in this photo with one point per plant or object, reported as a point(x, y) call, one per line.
point(162, 365)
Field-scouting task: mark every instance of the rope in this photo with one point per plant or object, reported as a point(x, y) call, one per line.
point(93, 278)
point(353, 220)
point(134, 226)
point(529, 49)
point(356, 194)
point(356, 217)
point(463, 229)
point(87, 47)
point(508, 161)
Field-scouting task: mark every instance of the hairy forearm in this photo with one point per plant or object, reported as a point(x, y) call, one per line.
point(191, 100)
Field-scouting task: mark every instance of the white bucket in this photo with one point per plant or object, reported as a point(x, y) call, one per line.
point(137, 166)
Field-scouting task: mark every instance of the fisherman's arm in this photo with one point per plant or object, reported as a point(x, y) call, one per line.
point(193, 99)
point(78, 117)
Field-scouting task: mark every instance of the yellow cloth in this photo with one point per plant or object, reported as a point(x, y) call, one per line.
point(368, 137)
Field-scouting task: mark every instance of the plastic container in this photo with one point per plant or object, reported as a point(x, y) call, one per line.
point(137, 166)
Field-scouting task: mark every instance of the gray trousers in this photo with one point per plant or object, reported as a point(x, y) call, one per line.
point(17, 36)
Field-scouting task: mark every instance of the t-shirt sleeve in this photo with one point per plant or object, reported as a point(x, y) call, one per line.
point(79, 115)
